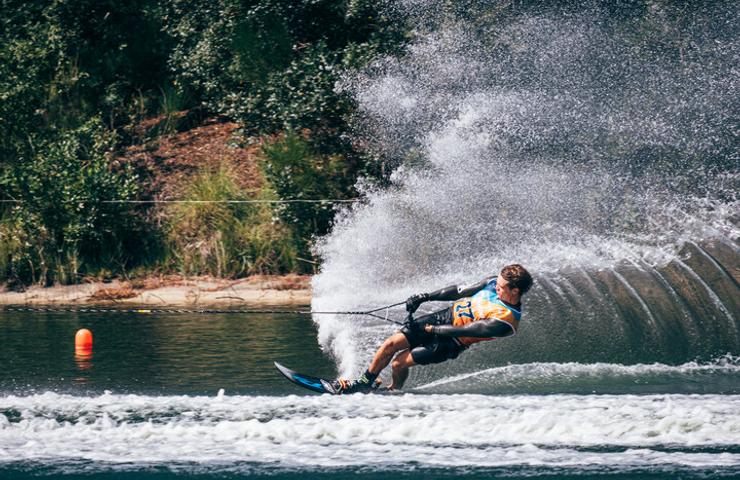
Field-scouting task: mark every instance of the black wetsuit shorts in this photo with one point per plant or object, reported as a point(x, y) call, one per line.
point(427, 348)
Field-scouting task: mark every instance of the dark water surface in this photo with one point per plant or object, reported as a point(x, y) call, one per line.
point(187, 354)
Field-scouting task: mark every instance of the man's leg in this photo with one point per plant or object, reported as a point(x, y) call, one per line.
point(394, 343)
point(439, 350)
point(382, 358)
point(401, 365)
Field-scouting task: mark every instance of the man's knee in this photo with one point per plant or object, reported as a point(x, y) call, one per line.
point(402, 362)
point(397, 364)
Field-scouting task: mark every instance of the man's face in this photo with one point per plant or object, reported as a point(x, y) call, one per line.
point(504, 290)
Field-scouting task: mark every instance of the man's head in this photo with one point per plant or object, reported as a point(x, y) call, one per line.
point(513, 282)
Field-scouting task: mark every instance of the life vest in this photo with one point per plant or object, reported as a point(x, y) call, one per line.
point(482, 306)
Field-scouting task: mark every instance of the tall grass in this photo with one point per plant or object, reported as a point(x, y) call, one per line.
point(212, 237)
point(11, 249)
point(171, 103)
point(26, 257)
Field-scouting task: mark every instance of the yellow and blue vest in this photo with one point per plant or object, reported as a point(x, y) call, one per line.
point(484, 305)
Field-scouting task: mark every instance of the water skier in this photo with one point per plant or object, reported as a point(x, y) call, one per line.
point(483, 311)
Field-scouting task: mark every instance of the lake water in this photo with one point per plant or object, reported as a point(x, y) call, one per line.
point(197, 396)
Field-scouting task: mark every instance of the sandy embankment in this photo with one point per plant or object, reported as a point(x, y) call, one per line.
point(171, 291)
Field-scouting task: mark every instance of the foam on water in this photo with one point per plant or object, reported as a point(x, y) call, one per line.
point(311, 432)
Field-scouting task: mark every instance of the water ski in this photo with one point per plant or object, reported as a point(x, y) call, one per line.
point(315, 384)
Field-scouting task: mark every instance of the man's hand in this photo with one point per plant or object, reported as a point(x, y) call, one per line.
point(429, 328)
point(413, 302)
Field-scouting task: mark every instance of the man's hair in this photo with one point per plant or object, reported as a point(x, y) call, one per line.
point(518, 277)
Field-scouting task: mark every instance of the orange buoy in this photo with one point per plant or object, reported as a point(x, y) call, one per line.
point(83, 341)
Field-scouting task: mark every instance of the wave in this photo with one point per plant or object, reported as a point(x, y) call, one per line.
point(721, 376)
point(386, 432)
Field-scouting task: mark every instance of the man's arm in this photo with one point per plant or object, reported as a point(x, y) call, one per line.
point(456, 292)
point(481, 329)
point(453, 292)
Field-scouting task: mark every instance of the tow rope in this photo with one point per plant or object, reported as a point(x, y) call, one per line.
point(205, 311)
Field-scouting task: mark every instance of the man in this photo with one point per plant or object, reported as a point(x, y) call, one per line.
point(483, 311)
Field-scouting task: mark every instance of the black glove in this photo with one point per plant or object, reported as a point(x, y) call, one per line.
point(413, 302)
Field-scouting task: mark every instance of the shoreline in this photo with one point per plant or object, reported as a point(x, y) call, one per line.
point(171, 291)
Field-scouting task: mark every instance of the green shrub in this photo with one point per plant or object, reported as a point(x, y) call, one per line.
point(66, 225)
point(273, 64)
point(29, 54)
point(297, 172)
point(206, 235)
point(300, 96)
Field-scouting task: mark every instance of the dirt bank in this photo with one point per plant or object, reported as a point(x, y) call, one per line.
point(171, 291)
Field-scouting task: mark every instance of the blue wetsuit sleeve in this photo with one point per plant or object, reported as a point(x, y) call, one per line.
point(480, 329)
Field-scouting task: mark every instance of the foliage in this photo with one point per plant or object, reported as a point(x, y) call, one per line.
point(79, 77)
point(297, 172)
point(301, 96)
point(211, 237)
point(64, 62)
point(65, 225)
point(273, 64)
point(29, 54)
